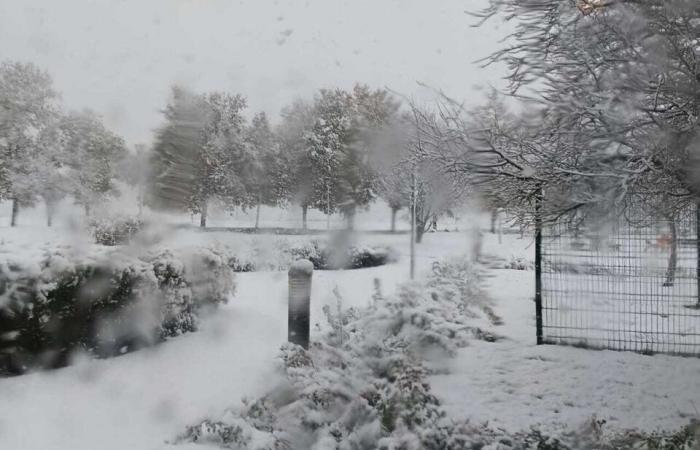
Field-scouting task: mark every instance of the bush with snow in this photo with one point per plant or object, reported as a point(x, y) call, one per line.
point(280, 254)
point(112, 231)
point(519, 263)
point(102, 304)
point(364, 385)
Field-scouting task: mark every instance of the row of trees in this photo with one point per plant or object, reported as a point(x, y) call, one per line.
point(47, 154)
point(335, 154)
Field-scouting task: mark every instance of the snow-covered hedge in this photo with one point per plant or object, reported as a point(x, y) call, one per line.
point(115, 230)
point(104, 304)
point(281, 254)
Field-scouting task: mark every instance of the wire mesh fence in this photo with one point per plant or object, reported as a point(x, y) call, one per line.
point(628, 283)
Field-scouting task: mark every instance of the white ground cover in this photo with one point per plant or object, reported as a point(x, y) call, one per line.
point(515, 384)
point(141, 400)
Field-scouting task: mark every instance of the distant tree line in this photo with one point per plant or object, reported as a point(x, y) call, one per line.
point(336, 153)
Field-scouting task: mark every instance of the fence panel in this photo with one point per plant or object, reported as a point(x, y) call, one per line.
point(628, 284)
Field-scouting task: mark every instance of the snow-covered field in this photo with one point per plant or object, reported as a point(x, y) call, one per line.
point(144, 399)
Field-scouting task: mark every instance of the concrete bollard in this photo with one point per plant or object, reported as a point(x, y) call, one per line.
point(298, 324)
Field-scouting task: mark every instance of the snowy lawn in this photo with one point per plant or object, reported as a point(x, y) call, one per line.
point(514, 383)
point(141, 400)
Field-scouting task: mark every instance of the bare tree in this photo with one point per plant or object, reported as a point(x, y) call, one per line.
point(610, 89)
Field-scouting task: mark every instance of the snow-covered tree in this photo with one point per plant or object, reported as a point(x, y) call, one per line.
point(135, 170)
point(329, 143)
point(390, 186)
point(27, 106)
point(264, 166)
point(612, 108)
point(224, 154)
point(92, 153)
point(325, 146)
point(410, 174)
point(295, 182)
point(339, 146)
point(374, 111)
point(51, 177)
point(200, 153)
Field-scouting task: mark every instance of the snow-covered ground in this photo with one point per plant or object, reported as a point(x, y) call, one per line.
point(143, 399)
point(514, 383)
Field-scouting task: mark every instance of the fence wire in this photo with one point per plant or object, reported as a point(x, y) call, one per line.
point(630, 283)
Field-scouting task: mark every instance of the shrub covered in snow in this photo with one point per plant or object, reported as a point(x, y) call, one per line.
point(102, 304)
point(364, 385)
point(594, 435)
point(115, 230)
point(519, 263)
point(323, 256)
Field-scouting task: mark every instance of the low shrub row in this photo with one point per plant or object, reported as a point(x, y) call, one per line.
point(102, 305)
point(322, 255)
point(335, 254)
point(115, 231)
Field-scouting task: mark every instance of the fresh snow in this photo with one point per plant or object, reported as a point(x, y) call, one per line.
point(144, 399)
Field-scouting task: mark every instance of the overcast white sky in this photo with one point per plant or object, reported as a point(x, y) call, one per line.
point(119, 57)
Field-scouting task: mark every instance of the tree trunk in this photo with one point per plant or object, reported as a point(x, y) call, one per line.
point(673, 258)
point(393, 219)
point(140, 201)
point(203, 215)
point(257, 215)
point(87, 210)
point(50, 207)
point(420, 230)
point(15, 212)
point(304, 210)
point(494, 217)
point(350, 217)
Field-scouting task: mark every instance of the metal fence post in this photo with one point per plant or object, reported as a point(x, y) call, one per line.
point(538, 266)
point(298, 319)
point(697, 245)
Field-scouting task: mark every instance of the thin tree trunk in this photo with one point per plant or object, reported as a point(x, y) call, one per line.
point(304, 210)
point(15, 212)
point(420, 231)
point(673, 258)
point(393, 219)
point(140, 201)
point(49, 213)
point(352, 210)
point(494, 217)
point(421, 225)
point(257, 215)
point(203, 214)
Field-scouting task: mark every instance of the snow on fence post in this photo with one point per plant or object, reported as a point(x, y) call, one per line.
point(298, 321)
